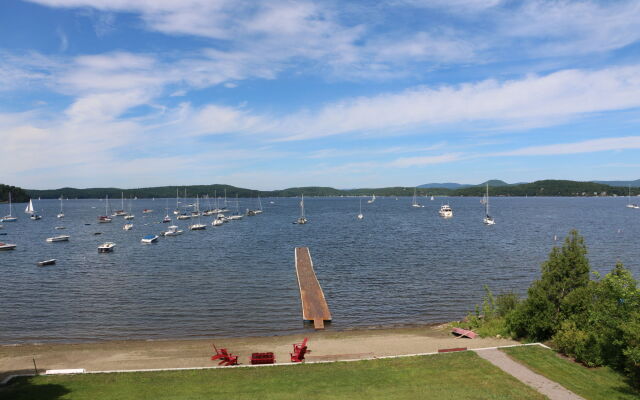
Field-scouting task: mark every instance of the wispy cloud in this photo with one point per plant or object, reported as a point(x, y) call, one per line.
point(587, 146)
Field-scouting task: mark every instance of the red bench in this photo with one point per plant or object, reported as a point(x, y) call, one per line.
point(299, 350)
point(224, 356)
point(262, 358)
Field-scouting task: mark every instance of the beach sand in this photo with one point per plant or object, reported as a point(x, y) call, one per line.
point(324, 346)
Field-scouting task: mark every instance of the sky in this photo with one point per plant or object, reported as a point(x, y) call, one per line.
point(276, 94)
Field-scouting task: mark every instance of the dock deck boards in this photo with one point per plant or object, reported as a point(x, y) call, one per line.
point(314, 305)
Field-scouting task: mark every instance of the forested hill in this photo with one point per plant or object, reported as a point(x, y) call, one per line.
point(18, 195)
point(538, 188)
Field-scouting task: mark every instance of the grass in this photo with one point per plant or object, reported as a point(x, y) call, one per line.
point(447, 376)
point(590, 383)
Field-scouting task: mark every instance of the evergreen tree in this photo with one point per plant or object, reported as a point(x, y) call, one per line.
point(567, 269)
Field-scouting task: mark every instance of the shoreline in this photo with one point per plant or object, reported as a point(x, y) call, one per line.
point(195, 353)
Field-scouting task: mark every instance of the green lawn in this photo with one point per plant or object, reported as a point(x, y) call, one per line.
point(590, 383)
point(447, 376)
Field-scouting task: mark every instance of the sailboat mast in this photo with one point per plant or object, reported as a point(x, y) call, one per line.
point(487, 201)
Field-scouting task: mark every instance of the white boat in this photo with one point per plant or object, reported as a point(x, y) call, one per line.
point(127, 227)
point(360, 215)
point(629, 204)
point(129, 216)
point(106, 247)
point(302, 219)
point(9, 218)
point(373, 198)
point(446, 211)
point(120, 212)
point(488, 219)
point(166, 218)
point(415, 203)
point(217, 222)
point(259, 210)
point(237, 214)
point(177, 210)
point(199, 226)
point(149, 239)
point(61, 238)
point(103, 219)
point(46, 262)
point(172, 231)
point(432, 198)
point(30, 210)
point(7, 246)
point(59, 227)
point(61, 213)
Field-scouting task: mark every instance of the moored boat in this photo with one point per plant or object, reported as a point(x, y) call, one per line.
point(7, 246)
point(46, 262)
point(173, 231)
point(60, 238)
point(149, 239)
point(127, 227)
point(106, 247)
point(446, 211)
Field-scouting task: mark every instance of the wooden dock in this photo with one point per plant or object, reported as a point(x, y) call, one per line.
point(314, 305)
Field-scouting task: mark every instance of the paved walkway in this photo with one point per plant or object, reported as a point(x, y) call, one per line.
point(543, 385)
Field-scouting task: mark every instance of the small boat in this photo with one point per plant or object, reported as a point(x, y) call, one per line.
point(147, 211)
point(183, 217)
point(121, 212)
point(103, 219)
point(61, 213)
point(59, 227)
point(166, 219)
point(629, 204)
point(197, 227)
point(302, 219)
point(373, 198)
point(217, 222)
point(149, 239)
point(415, 203)
point(46, 262)
point(127, 227)
point(464, 333)
point(173, 231)
point(7, 246)
point(360, 215)
point(234, 217)
point(30, 210)
point(446, 211)
point(488, 219)
point(61, 238)
point(431, 198)
point(106, 247)
point(9, 218)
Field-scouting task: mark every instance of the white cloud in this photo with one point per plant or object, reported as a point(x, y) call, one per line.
point(405, 162)
point(587, 146)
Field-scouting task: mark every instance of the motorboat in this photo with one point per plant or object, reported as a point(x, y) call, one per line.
point(217, 222)
point(46, 262)
point(60, 238)
point(197, 227)
point(106, 247)
point(149, 239)
point(7, 246)
point(173, 231)
point(127, 227)
point(446, 211)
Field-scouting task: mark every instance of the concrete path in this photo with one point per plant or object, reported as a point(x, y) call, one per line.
point(543, 385)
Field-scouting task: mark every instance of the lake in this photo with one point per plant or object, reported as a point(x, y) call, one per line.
point(399, 265)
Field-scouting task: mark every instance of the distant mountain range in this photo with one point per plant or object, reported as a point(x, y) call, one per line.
point(497, 182)
point(635, 183)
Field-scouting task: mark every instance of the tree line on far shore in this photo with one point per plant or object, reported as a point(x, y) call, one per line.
point(594, 319)
point(538, 188)
point(18, 195)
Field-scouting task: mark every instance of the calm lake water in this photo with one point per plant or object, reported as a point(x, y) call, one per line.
point(400, 265)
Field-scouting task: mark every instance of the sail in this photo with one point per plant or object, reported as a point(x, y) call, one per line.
point(29, 209)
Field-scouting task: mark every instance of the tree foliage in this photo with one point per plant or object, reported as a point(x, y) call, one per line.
point(18, 195)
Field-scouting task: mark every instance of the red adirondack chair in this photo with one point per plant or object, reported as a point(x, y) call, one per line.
point(224, 356)
point(299, 350)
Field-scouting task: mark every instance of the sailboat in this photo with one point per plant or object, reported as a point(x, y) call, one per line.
point(373, 198)
point(302, 219)
point(129, 215)
point(61, 213)
point(103, 219)
point(30, 210)
point(415, 200)
point(237, 215)
point(177, 210)
point(360, 215)
point(259, 210)
point(199, 226)
point(629, 204)
point(9, 218)
point(488, 219)
point(120, 212)
point(166, 218)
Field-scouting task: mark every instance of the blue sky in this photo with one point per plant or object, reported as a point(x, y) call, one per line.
point(276, 94)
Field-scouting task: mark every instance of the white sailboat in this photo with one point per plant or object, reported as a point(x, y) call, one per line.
point(488, 219)
point(629, 204)
point(199, 226)
point(415, 203)
point(9, 218)
point(129, 215)
point(166, 218)
point(302, 219)
point(61, 213)
point(360, 215)
point(373, 198)
point(30, 210)
point(177, 210)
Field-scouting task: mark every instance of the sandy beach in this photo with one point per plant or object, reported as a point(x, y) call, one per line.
point(324, 346)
